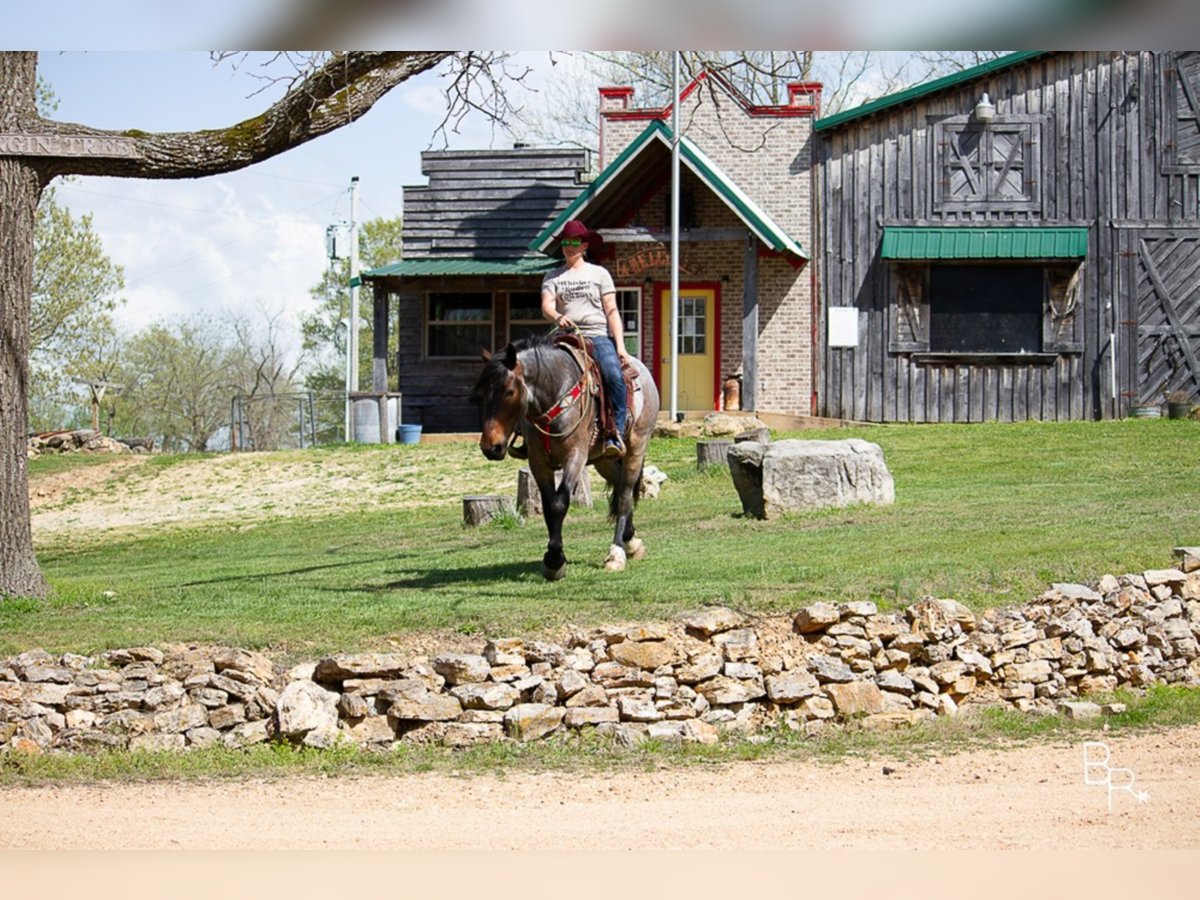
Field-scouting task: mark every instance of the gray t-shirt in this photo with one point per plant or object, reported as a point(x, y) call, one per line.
point(577, 294)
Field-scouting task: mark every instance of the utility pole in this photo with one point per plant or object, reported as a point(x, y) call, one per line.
point(352, 338)
point(674, 330)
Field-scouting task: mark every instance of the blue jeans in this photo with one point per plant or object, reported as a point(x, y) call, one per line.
point(605, 349)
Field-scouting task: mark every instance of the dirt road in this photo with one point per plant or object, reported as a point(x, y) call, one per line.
point(1030, 798)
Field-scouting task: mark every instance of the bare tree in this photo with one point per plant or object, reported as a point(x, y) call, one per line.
point(565, 114)
point(321, 99)
point(265, 375)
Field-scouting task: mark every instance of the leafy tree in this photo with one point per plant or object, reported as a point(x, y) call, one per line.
point(323, 335)
point(75, 288)
point(325, 94)
point(179, 378)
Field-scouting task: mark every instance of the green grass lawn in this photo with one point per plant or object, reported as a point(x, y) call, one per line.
point(987, 514)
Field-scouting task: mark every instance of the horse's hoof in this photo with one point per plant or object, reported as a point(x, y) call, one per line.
point(615, 561)
point(554, 574)
point(635, 548)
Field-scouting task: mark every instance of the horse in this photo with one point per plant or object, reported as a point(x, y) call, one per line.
point(543, 390)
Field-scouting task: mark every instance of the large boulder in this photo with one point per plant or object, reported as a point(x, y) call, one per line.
point(794, 476)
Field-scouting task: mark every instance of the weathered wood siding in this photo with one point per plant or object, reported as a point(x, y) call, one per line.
point(487, 204)
point(1117, 151)
point(435, 390)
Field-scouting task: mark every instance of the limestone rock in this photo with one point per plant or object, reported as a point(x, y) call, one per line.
point(1079, 710)
point(461, 668)
point(359, 665)
point(505, 652)
point(723, 690)
point(580, 716)
point(238, 660)
point(427, 707)
point(532, 721)
point(795, 476)
point(830, 669)
point(486, 695)
point(712, 621)
point(303, 706)
point(648, 655)
point(791, 687)
point(854, 698)
point(816, 617)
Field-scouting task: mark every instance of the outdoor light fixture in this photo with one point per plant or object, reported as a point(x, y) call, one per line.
point(985, 110)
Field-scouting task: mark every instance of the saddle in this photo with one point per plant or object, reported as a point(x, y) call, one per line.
point(583, 350)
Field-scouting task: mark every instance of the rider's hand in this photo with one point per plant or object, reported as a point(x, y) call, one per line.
point(565, 323)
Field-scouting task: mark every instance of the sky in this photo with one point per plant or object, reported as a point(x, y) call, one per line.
point(249, 238)
point(257, 237)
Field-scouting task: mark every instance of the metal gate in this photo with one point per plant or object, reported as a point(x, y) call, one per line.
point(1165, 298)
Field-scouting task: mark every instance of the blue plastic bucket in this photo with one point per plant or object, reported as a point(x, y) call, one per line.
point(408, 434)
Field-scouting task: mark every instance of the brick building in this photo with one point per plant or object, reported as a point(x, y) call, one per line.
point(746, 304)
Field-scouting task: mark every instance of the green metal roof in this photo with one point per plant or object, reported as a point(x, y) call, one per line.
point(434, 267)
point(984, 243)
point(926, 88)
point(756, 218)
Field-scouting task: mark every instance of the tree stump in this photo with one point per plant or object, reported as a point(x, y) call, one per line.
point(529, 498)
point(758, 435)
point(712, 453)
point(482, 509)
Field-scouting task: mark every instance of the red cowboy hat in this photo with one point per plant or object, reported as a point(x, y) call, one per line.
point(576, 229)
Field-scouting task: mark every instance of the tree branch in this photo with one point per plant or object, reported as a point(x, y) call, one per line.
point(339, 91)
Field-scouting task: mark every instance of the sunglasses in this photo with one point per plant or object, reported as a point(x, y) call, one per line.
point(572, 242)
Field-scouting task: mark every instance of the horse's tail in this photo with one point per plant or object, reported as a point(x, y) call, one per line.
point(614, 495)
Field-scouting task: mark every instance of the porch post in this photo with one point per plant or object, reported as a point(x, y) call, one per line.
point(379, 373)
point(750, 325)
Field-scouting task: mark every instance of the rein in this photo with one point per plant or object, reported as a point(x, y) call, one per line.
point(582, 387)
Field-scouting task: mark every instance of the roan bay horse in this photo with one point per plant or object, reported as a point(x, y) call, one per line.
point(543, 390)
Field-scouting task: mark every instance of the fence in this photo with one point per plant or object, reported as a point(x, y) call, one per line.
point(309, 418)
point(286, 421)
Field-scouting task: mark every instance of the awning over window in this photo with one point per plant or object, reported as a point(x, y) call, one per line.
point(448, 267)
point(984, 243)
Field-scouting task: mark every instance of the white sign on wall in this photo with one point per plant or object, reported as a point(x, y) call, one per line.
point(843, 326)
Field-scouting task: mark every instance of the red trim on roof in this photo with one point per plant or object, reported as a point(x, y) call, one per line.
point(648, 114)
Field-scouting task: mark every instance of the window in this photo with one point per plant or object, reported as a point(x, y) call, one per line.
point(525, 315)
point(629, 304)
point(1181, 115)
point(993, 166)
point(457, 325)
point(1026, 307)
point(693, 325)
point(985, 309)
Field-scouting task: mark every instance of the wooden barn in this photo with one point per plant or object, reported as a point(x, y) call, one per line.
point(1017, 241)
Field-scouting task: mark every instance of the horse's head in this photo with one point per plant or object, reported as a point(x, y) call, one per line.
point(501, 395)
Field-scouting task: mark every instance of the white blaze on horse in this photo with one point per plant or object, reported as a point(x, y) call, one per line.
point(544, 391)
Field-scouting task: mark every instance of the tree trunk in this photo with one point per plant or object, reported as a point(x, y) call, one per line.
point(329, 97)
point(20, 188)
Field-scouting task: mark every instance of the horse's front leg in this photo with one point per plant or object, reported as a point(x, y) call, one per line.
point(555, 503)
point(623, 479)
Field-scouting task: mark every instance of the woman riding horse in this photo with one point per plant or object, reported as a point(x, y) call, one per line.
point(580, 294)
point(543, 390)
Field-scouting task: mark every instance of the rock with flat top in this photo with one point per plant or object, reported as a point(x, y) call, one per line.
point(797, 476)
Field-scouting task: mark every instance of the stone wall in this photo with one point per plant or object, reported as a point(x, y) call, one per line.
point(684, 680)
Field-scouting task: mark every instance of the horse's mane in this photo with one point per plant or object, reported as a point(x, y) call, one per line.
point(495, 369)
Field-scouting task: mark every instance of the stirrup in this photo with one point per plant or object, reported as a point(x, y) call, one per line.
point(614, 448)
